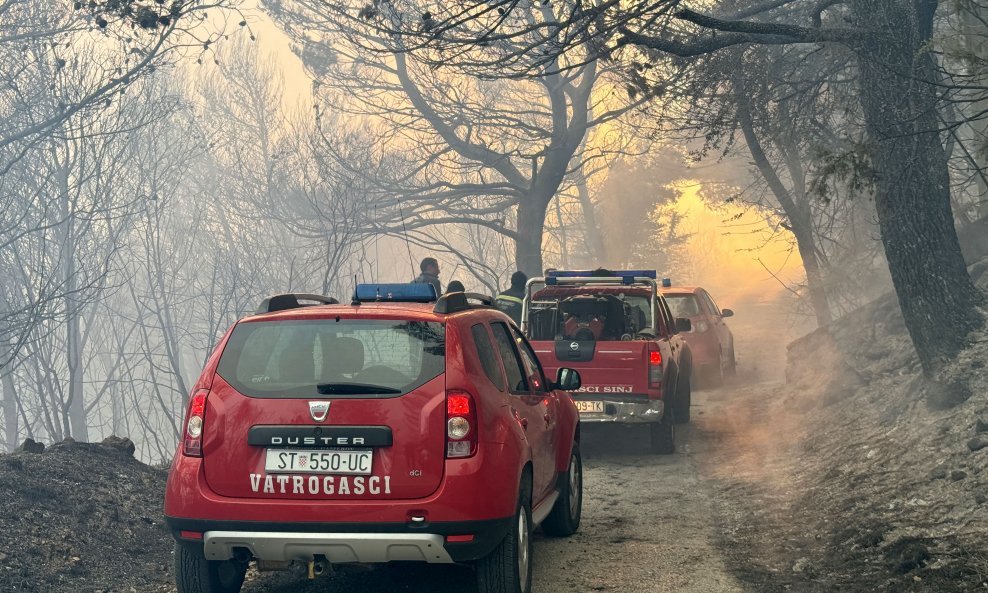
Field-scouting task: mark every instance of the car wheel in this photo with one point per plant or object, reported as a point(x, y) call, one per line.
point(714, 373)
point(663, 433)
point(508, 569)
point(732, 365)
point(684, 400)
point(564, 519)
point(195, 574)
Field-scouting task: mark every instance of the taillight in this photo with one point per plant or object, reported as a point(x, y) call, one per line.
point(194, 425)
point(461, 425)
point(654, 369)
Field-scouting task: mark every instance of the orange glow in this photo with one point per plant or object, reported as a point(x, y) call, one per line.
point(733, 251)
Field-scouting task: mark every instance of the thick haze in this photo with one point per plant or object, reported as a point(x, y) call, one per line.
point(148, 200)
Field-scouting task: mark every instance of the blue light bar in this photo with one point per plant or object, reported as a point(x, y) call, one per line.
point(395, 293)
point(626, 276)
point(602, 274)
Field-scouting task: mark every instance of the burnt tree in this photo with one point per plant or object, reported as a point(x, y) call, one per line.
point(898, 92)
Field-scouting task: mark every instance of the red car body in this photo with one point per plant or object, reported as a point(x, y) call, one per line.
point(710, 339)
point(427, 495)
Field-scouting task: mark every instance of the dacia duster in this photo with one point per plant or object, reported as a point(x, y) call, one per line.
point(399, 427)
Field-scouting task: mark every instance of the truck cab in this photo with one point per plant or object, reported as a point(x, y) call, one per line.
point(616, 329)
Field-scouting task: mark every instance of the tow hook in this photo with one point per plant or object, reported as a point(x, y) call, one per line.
point(317, 568)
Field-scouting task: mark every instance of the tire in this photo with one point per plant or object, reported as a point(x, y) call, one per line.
point(732, 365)
point(195, 574)
point(663, 434)
point(564, 519)
point(713, 375)
point(684, 400)
point(508, 569)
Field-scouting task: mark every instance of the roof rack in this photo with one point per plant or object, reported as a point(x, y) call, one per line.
point(454, 302)
point(282, 302)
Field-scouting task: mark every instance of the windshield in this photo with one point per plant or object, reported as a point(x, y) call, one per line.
point(345, 358)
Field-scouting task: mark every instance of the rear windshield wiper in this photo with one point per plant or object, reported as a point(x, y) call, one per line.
point(354, 389)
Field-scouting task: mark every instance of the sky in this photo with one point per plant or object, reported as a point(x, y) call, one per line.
point(271, 39)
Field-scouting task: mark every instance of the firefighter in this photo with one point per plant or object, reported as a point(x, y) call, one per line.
point(510, 300)
point(430, 274)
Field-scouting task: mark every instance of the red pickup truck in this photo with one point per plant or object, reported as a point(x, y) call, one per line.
point(617, 330)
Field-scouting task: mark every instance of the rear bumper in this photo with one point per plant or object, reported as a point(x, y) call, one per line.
point(344, 542)
point(471, 500)
point(627, 412)
point(336, 547)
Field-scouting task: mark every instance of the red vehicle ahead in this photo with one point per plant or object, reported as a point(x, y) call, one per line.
point(710, 340)
point(618, 332)
point(378, 431)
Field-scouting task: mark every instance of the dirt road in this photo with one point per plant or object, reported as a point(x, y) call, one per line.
point(650, 523)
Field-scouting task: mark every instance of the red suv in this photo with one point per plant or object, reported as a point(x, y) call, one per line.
point(400, 427)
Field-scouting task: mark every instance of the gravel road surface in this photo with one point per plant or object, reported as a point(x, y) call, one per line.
point(649, 525)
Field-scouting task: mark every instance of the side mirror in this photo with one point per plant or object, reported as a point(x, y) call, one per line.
point(726, 313)
point(683, 325)
point(568, 379)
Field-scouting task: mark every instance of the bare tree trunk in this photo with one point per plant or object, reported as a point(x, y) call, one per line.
point(531, 226)
point(938, 300)
point(77, 406)
point(800, 221)
point(973, 30)
point(10, 427)
point(76, 412)
point(595, 241)
point(563, 235)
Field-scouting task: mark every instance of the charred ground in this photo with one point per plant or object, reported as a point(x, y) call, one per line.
point(82, 517)
point(858, 474)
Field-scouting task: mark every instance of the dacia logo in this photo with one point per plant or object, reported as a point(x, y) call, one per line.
point(319, 410)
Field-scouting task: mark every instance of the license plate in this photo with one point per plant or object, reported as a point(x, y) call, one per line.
point(590, 407)
point(357, 461)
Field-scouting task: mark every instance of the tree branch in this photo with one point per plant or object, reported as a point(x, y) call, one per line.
point(738, 32)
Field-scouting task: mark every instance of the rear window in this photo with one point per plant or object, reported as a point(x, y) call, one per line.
point(333, 357)
point(683, 305)
point(600, 316)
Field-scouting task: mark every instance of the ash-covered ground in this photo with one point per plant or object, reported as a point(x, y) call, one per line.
point(82, 518)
